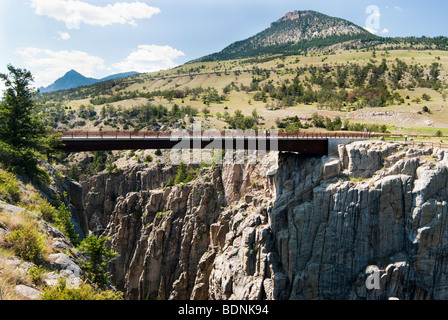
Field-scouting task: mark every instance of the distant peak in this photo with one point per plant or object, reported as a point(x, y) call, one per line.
point(298, 14)
point(72, 72)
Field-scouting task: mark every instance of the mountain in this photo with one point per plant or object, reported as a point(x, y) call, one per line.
point(296, 31)
point(74, 79)
point(119, 76)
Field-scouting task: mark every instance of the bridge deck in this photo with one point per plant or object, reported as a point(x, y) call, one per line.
point(315, 144)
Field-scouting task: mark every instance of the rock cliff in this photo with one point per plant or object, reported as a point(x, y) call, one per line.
point(286, 227)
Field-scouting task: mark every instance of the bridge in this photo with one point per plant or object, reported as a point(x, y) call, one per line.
point(310, 144)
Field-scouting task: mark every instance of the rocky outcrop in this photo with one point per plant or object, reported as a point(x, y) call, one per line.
point(284, 228)
point(101, 191)
point(391, 218)
point(161, 236)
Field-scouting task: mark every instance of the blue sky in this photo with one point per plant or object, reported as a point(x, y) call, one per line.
point(103, 37)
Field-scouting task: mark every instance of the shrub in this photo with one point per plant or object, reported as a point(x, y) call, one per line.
point(36, 274)
point(46, 211)
point(99, 162)
point(426, 97)
point(112, 169)
point(26, 243)
point(9, 187)
point(84, 292)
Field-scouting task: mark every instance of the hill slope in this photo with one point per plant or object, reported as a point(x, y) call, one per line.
point(296, 31)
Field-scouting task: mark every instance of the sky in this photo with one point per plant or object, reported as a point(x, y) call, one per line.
point(102, 37)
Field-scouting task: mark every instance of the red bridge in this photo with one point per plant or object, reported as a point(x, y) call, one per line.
point(312, 144)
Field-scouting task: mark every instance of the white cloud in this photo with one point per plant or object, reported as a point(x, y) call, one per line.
point(398, 8)
point(47, 65)
point(64, 35)
point(29, 52)
point(148, 58)
point(385, 30)
point(73, 12)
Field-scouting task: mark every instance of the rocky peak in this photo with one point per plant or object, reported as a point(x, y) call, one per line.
point(295, 15)
point(295, 31)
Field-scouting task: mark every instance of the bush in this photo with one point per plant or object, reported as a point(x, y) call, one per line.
point(46, 211)
point(426, 97)
point(99, 162)
point(9, 187)
point(112, 169)
point(84, 292)
point(27, 243)
point(36, 274)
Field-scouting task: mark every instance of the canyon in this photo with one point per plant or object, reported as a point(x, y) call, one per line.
point(286, 227)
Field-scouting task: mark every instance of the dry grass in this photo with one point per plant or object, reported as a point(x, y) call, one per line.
point(14, 221)
point(10, 275)
point(9, 278)
point(405, 115)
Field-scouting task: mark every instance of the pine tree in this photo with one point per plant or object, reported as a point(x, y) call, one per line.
point(98, 258)
point(24, 134)
point(19, 127)
point(181, 173)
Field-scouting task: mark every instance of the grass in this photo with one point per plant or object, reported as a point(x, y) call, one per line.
point(9, 278)
point(85, 291)
point(24, 238)
point(215, 76)
point(424, 131)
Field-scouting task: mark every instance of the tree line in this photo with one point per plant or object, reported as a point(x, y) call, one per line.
point(337, 87)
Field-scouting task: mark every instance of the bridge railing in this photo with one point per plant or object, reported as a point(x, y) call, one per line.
point(168, 134)
point(267, 134)
point(398, 138)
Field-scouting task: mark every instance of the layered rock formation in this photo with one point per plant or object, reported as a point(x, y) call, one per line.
point(284, 228)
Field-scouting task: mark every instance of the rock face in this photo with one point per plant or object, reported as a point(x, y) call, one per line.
point(101, 191)
point(284, 228)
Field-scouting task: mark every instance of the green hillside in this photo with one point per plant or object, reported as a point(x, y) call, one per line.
point(358, 87)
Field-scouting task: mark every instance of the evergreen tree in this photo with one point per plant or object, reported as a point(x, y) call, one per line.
point(98, 258)
point(24, 134)
point(181, 173)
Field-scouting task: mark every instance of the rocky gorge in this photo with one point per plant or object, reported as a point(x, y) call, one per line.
point(286, 227)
